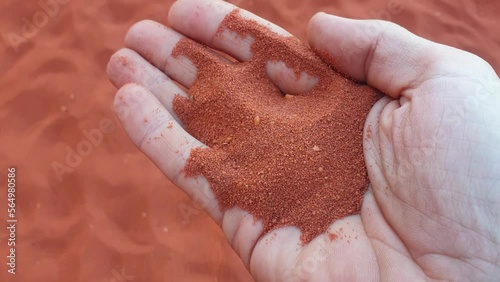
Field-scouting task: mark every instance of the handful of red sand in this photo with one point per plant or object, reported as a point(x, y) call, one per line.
point(288, 161)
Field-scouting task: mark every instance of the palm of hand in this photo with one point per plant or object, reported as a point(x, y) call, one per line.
point(435, 179)
point(433, 208)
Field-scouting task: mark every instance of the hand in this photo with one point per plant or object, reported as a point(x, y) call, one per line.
point(431, 148)
point(433, 159)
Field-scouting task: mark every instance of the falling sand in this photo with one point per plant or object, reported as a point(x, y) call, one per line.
point(290, 160)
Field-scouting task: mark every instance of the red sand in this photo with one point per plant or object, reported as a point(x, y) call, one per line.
point(92, 225)
point(277, 157)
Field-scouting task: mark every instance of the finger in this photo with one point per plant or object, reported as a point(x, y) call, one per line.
point(385, 55)
point(126, 66)
point(287, 80)
point(380, 53)
point(201, 19)
point(153, 129)
point(242, 231)
point(156, 44)
point(281, 256)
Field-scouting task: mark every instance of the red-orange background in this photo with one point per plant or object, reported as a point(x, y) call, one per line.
point(115, 211)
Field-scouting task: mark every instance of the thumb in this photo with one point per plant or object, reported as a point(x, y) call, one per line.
point(385, 55)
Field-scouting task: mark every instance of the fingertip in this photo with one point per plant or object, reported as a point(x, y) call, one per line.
point(174, 11)
point(110, 68)
point(321, 32)
point(317, 19)
point(318, 24)
point(160, 137)
point(141, 114)
point(118, 62)
point(343, 43)
point(136, 30)
point(196, 19)
point(124, 97)
point(331, 37)
point(177, 9)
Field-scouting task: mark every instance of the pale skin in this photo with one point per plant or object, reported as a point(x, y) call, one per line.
point(431, 147)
